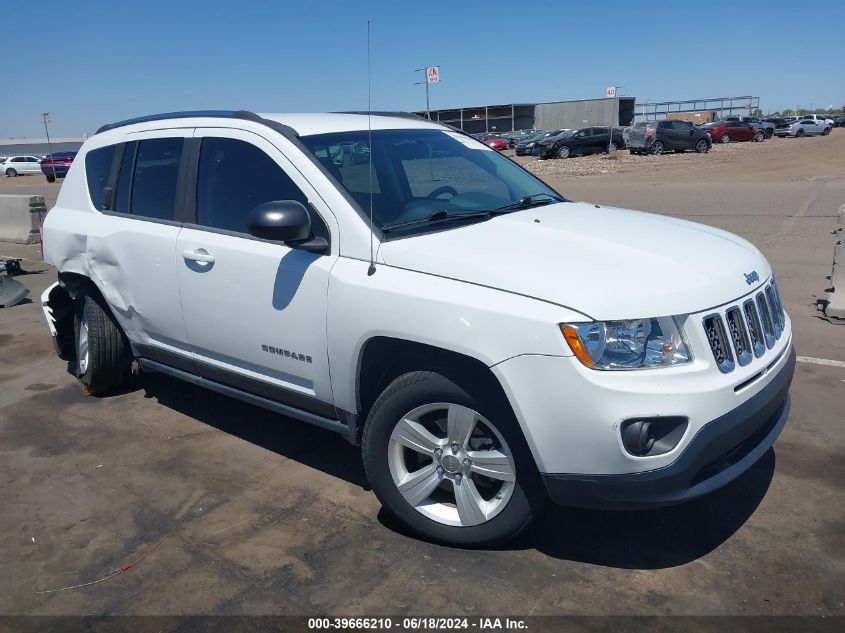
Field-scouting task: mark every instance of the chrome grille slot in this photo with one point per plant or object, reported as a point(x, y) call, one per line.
point(714, 328)
point(739, 337)
point(766, 320)
point(755, 330)
point(773, 309)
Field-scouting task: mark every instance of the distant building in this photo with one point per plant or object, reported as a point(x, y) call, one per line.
point(38, 146)
point(547, 115)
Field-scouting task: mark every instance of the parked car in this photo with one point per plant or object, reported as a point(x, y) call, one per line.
point(821, 119)
point(55, 165)
point(762, 124)
point(779, 123)
point(804, 127)
point(21, 165)
point(553, 135)
point(524, 146)
point(587, 140)
point(732, 131)
point(460, 358)
point(656, 137)
point(494, 141)
point(839, 121)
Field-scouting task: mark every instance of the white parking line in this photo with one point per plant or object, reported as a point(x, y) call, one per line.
point(820, 361)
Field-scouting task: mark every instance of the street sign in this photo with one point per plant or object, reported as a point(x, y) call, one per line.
point(432, 74)
point(610, 92)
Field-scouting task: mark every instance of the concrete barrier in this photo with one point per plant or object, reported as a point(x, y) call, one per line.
point(835, 307)
point(20, 218)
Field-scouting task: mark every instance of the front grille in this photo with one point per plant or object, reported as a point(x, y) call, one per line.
point(715, 330)
point(752, 328)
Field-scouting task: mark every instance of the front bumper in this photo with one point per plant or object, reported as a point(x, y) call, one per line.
point(721, 451)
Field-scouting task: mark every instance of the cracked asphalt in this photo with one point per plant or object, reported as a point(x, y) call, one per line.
point(272, 516)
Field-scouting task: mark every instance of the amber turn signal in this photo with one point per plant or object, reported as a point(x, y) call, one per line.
point(570, 333)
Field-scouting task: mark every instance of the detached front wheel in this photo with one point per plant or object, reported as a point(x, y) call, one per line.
point(451, 465)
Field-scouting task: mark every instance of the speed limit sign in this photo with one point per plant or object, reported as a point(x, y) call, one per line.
point(611, 92)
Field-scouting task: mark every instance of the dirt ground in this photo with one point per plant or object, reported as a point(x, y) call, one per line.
point(228, 509)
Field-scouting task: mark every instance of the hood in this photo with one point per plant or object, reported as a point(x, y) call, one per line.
point(604, 262)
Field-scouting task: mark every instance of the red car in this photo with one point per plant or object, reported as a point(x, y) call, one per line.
point(732, 131)
point(494, 142)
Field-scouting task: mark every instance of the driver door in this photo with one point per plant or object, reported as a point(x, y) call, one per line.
point(255, 310)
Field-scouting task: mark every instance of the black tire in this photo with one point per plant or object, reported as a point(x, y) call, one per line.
point(564, 152)
point(826, 131)
point(769, 133)
point(107, 363)
point(658, 147)
point(11, 173)
point(799, 133)
point(725, 138)
point(50, 178)
point(702, 146)
point(419, 388)
point(759, 137)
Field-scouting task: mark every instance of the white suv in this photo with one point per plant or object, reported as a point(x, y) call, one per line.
point(488, 343)
point(17, 165)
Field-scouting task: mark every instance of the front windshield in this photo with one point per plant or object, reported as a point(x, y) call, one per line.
point(420, 172)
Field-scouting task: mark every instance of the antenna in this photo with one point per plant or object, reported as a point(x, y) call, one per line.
point(372, 269)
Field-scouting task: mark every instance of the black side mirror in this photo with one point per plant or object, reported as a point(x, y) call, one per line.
point(280, 221)
point(285, 221)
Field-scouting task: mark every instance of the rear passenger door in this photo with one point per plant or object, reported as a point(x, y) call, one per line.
point(255, 310)
point(132, 252)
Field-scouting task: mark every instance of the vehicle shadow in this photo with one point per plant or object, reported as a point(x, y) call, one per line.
point(651, 539)
point(305, 443)
point(642, 539)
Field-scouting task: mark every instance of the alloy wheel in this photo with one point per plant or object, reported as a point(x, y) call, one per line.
point(451, 464)
point(657, 147)
point(82, 343)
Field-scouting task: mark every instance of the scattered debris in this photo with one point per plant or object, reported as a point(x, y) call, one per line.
point(12, 292)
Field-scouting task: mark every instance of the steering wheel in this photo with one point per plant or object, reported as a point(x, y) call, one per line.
point(440, 191)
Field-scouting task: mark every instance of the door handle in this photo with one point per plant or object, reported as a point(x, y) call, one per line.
point(200, 255)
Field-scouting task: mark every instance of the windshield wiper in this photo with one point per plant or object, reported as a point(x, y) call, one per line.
point(437, 217)
point(530, 201)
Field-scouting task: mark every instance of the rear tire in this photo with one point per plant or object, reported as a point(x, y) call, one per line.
point(657, 147)
point(11, 173)
point(449, 501)
point(102, 359)
point(50, 179)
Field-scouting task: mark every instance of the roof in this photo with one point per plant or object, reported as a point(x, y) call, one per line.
point(301, 124)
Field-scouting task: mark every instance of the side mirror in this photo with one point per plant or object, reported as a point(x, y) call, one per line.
point(285, 221)
point(280, 221)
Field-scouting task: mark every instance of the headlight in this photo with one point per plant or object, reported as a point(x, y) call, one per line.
point(630, 344)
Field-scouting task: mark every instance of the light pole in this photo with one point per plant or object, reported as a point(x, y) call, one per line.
point(425, 81)
point(46, 117)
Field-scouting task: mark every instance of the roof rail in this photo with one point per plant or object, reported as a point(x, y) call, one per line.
point(401, 115)
point(216, 114)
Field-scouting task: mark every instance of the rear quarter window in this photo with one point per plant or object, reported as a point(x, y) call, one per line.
point(98, 164)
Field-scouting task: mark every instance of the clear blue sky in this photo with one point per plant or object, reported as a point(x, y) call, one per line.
point(114, 59)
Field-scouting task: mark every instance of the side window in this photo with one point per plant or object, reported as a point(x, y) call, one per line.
point(234, 177)
point(155, 176)
point(124, 177)
point(683, 126)
point(97, 168)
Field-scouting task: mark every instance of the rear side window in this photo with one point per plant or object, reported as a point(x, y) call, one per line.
point(98, 164)
point(234, 177)
point(155, 176)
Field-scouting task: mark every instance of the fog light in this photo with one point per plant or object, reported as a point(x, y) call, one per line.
point(652, 436)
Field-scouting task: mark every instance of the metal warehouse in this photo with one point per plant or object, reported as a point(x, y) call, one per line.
point(38, 146)
point(618, 111)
